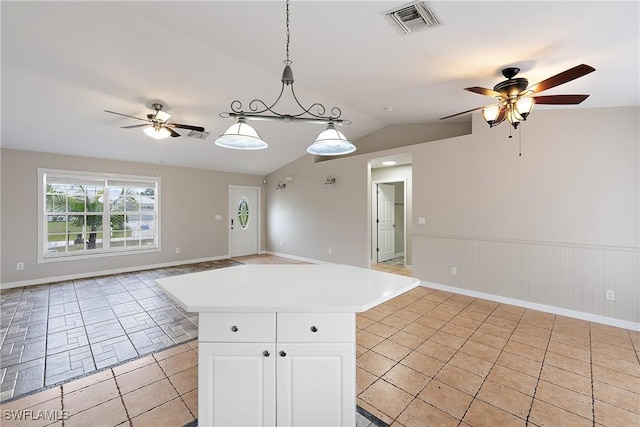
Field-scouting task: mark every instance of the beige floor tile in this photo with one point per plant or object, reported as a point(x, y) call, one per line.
point(374, 411)
point(538, 319)
point(566, 399)
point(421, 414)
point(406, 379)
point(610, 415)
point(178, 363)
point(466, 322)
point(460, 379)
point(482, 351)
point(513, 379)
point(374, 363)
point(568, 364)
point(481, 414)
point(520, 364)
point(544, 414)
point(608, 350)
point(185, 381)
point(407, 315)
point(387, 398)
point(419, 330)
point(568, 350)
point(87, 381)
point(616, 378)
point(566, 379)
point(132, 366)
point(374, 315)
point(617, 396)
point(430, 322)
point(392, 350)
point(534, 341)
point(14, 414)
point(171, 414)
point(88, 397)
point(488, 339)
point(498, 330)
point(363, 380)
point(627, 367)
point(449, 339)
point(533, 330)
point(367, 339)
point(406, 339)
point(362, 322)
point(107, 414)
point(427, 365)
point(33, 400)
point(446, 398)
point(395, 322)
point(505, 398)
point(438, 351)
point(140, 377)
point(471, 363)
point(360, 350)
point(470, 313)
point(525, 350)
point(382, 330)
point(568, 339)
point(191, 400)
point(149, 397)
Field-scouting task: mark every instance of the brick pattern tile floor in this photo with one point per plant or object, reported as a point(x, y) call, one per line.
point(424, 358)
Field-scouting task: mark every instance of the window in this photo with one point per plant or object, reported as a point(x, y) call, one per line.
point(85, 215)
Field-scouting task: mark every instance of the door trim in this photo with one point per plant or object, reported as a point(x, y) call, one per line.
point(373, 258)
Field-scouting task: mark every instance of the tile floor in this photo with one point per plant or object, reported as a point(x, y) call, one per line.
point(424, 358)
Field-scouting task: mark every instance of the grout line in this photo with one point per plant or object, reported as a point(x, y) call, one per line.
point(593, 397)
point(126, 411)
point(535, 389)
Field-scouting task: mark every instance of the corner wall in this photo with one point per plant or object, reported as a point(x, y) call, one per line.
point(190, 199)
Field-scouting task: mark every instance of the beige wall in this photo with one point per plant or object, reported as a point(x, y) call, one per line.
point(190, 199)
point(557, 226)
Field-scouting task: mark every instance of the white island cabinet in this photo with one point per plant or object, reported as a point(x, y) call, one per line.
point(276, 343)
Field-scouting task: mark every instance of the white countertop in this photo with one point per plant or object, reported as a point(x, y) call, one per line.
point(285, 288)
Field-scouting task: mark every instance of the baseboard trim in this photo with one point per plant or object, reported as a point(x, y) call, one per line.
point(618, 323)
point(297, 258)
point(41, 281)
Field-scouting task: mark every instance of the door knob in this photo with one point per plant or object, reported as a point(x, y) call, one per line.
point(283, 354)
point(266, 353)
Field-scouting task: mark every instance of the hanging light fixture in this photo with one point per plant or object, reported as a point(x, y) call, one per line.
point(156, 131)
point(241, 136)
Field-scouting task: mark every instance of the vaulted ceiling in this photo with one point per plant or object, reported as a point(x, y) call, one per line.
point(63, 63)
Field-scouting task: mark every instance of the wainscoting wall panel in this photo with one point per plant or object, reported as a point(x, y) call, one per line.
point(569, 276)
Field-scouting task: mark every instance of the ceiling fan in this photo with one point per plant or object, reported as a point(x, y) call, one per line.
point(157, 125)
point(516, 98)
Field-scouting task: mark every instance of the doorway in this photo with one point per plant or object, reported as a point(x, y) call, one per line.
point(244, 220)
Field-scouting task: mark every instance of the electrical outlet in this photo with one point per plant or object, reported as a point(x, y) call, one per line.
point(454, 271)
point(330, 251)
point(20, 266)
point(610, 295)
point(177, 250)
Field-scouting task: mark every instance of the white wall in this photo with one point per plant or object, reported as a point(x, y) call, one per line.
point(557, 226)
point(190, 199)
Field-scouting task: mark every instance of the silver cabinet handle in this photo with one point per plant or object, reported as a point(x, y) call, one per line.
point(234, 328)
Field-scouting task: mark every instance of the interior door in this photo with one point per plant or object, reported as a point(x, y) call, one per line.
point(244, 220)
point(386, 222)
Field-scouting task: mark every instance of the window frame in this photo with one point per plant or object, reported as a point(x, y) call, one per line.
point(44, 256)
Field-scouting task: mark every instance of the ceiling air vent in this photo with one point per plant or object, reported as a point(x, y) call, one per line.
point(199, 135)
point(412, 17)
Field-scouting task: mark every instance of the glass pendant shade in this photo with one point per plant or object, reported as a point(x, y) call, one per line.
point(331, 142)
point(159, 133)
point(493, 114)
point(524, 106)
point(241, 136)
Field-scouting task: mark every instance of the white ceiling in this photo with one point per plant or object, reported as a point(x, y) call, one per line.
point(63, 63)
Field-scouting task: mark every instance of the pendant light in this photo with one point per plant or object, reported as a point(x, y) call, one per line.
point(241, 136)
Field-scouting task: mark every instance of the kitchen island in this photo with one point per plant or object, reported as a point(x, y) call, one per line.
point(276, 343)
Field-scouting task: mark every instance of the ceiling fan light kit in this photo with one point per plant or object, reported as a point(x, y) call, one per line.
point(157, 126)
point(516, 98)
point(329, 143)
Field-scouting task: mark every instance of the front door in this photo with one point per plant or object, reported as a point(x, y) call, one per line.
point(386, 222)
point(244, 220)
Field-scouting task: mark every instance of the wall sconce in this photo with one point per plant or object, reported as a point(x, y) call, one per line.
point(330, 180)
point(281, 186)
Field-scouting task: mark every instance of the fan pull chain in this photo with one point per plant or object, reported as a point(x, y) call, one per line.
point(520, 141)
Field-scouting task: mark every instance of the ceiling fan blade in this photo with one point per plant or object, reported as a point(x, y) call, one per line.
point(483, 91)
point(179, 126)
point(464, 112)
point(132, 126)
point(563, 77)
point(173, 133)
point(126, 115)
point(560, 99)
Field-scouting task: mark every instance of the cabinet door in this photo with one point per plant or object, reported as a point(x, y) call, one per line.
point(316, 384)
point(236, 384)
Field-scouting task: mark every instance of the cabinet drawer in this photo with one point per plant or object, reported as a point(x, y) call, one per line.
point(316, 327)
point(237, 327)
